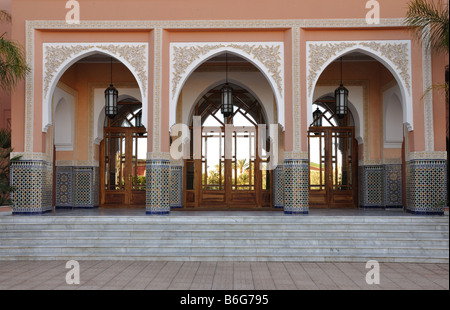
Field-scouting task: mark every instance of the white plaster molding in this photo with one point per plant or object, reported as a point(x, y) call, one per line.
point(268, 57)
point(427, 98)
point(32, 25)
point(58, 57)
point(395, 55)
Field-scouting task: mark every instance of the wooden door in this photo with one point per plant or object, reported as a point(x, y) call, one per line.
point(122, 171)
point(235, 180)
point(332, 167)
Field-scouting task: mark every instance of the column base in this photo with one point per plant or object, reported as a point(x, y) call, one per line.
point(296, 187)
point(158, 187)
point(32, 183)
point(426, 187)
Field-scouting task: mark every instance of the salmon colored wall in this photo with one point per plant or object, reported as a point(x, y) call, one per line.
point(5, 97)
point(214, 36)
point(206, 9)
point(78, 77)
point(373, 72)
point(439, 107)
point(70, 36)
point(111, 10)
point(375, 34)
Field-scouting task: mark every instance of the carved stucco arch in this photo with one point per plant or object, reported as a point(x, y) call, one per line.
point(58, 57)
point(268, 57)
point(394, 55)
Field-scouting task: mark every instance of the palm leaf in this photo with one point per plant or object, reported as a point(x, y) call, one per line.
point(12, 63)
point(430, 21)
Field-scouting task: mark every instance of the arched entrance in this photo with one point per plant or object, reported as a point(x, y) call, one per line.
point(123, 157)
point(216, 180)
point(332, 158)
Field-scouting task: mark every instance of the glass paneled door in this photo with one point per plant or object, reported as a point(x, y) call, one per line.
point(332, 171)
point(123, 154)
point(228, 173)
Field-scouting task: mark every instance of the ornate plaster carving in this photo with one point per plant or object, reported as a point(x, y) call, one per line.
point(58, 56)
point(267, 56)
point(394, 54)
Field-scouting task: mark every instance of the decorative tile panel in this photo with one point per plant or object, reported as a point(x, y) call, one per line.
point(278, 191)
point(176, 186)
point(296, 186)
point(371, 184)
point(393, 186)
point(76, 187)
point(426, 189)
point(158, 187)
point(84, 187)
point(64, 187)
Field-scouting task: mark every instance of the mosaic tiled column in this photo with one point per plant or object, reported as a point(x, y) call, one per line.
point(296, 186)
point(371, 186)
point(278, 190)
point(176, 186)
point(426, 186)
point(32, 183)
point(158, 187)
point(392, 186)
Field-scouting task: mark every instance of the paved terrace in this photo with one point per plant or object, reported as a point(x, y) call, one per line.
point(159, 275)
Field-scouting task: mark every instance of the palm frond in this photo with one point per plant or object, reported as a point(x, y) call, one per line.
point(430, 21)
point(13, 65)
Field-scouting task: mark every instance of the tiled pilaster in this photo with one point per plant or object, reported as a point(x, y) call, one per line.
point(32, 183)
point(426, 186)
point(296, 186)
point(278, 190)
point(158, 187)
point(176, 186)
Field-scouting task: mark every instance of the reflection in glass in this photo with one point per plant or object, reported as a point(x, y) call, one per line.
point(115, 161)
point(139, 157)
point(317, 161)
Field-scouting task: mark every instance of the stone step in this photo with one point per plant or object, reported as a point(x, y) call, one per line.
point(268, 258)
point(161, 241)
point(186, 251)
point(277, 238)
point(194, 220)
point(256, 233)
point(228, 226)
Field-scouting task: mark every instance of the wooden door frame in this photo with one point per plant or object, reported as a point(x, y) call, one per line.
point(328, 168)
point(127, 191)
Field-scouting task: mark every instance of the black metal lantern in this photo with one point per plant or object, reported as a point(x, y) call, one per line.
point(317, 117)
point(341, 97)
point(111, 97)
point(226, 92)
point(227, 100)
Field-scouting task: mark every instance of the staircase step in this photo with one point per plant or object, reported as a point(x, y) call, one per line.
point(249, 238)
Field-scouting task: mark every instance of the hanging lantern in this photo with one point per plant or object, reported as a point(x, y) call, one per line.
point(341, 97)
point(317, 118)
point(226, 92)
point(111, 97)
point(227, 100)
